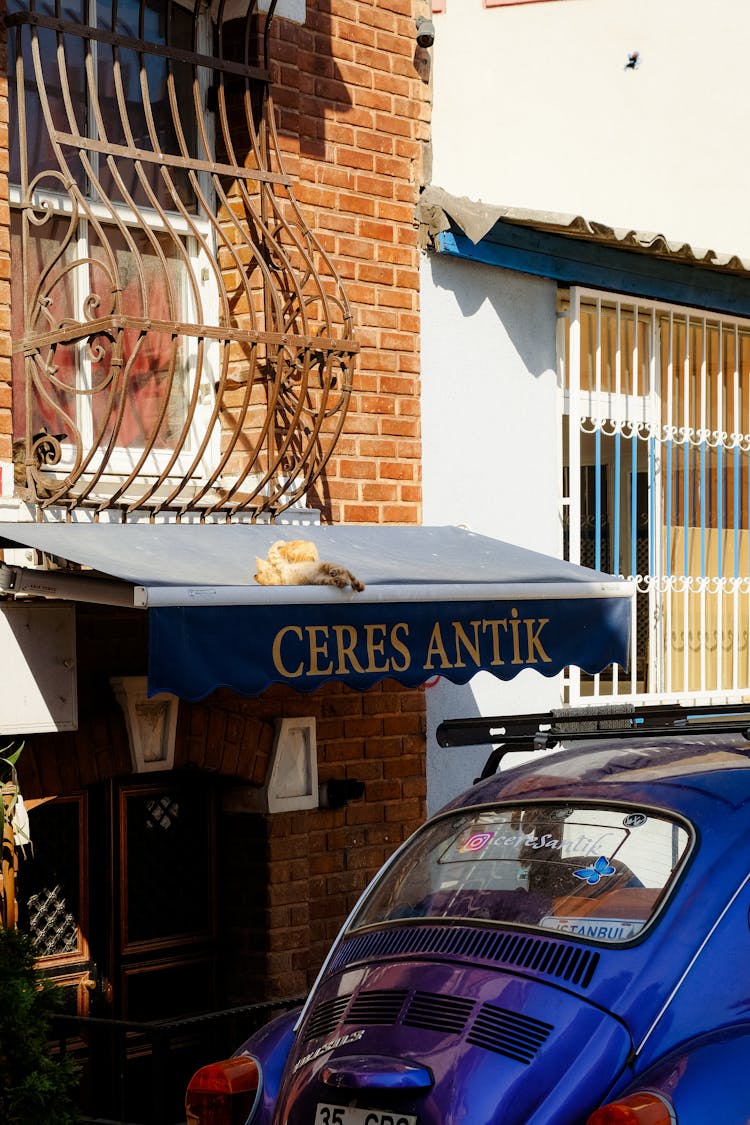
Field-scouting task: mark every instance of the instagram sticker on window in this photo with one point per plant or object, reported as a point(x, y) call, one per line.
point(477, 842)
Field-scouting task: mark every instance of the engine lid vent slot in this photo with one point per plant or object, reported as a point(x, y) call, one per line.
point(325, 1017)
point(380, 1006)
point(508, 1033)
point(438, 1013)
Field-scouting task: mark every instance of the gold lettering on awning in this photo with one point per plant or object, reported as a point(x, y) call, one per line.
point(376, 648)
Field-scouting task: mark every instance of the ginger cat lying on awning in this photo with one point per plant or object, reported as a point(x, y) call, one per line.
point(295, 562)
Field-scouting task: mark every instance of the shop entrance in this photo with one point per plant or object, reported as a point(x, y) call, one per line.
point(119, 893)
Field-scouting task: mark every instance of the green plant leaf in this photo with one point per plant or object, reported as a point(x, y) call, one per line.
point(11, 759)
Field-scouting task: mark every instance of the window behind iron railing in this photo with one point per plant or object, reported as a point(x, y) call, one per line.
point(656, 486)
point(181, 342)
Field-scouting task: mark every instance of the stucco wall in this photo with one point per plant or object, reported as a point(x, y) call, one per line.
point(491, 456)
point(534, 107)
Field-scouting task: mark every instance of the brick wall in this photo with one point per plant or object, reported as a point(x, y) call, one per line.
point(290, 879)
point(352, 107)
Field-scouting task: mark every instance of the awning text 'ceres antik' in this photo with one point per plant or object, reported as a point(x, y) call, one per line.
point(438, 601)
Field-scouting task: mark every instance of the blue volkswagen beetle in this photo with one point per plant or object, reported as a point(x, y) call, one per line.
point(567, 943)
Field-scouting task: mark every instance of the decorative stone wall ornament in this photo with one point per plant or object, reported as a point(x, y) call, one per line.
point(151, 723)
point(292, 779)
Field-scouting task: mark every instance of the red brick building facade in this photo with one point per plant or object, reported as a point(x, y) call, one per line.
point(351, 93)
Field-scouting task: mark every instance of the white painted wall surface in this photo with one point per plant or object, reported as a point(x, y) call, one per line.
point(491, 456)
point(490, 408)
point(533, 107)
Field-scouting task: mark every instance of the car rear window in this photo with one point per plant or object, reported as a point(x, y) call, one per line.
point(594, 872)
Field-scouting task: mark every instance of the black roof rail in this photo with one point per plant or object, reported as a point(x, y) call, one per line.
point(545, 729)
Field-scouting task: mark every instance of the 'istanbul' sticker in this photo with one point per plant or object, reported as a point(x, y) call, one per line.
point(600, 929)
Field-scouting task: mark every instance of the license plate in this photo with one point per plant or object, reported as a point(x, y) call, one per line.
point(348, 1115)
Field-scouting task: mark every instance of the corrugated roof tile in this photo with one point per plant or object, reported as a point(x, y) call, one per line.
point(476, 219)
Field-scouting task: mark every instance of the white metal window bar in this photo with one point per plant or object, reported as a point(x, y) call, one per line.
point(656, 487)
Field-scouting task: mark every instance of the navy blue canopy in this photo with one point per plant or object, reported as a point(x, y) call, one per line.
point(438, 601)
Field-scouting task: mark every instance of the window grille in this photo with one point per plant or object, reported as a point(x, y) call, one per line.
point(181, 341)
point(656, 487)
point(51, 893)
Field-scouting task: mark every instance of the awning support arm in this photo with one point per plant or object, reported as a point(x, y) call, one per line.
point(68, 587)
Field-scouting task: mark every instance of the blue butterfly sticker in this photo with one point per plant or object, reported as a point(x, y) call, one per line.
point(593, 874)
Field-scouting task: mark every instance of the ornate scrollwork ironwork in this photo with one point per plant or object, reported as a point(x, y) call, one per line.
point(182, 326)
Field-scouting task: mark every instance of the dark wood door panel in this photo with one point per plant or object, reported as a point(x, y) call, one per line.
point(167, 864)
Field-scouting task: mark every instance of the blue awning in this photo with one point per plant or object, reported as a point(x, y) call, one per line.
point(438, 601)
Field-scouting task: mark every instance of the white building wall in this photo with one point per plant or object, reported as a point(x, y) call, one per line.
point(534, 107)
point(491, 457)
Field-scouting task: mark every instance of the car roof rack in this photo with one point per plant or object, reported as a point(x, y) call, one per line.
point(545, 729)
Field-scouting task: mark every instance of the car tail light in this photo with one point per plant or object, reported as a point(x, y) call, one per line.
point(635, 1109)
point(222, 1093)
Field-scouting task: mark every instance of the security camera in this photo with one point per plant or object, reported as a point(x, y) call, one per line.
point(425, 31)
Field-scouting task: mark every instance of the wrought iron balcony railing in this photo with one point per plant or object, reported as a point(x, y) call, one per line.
point(182, 342)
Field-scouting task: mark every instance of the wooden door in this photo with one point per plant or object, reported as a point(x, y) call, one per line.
point(119, 893)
